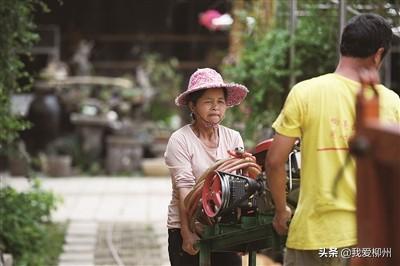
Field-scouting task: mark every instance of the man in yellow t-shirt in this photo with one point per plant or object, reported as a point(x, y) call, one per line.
point(321, 113)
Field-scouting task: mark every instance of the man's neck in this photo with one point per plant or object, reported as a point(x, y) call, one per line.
point(350, 67)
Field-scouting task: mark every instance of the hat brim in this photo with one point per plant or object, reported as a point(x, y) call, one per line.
point(235, 93)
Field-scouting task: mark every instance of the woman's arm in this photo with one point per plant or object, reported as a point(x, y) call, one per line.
point(177, 159)
point(189, 238)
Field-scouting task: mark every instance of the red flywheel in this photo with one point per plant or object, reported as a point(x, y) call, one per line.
point(212, 195)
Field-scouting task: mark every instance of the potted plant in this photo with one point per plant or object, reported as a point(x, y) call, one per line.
point(18, 159)
point(57, 159)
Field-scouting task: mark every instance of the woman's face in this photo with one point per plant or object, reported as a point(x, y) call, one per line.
point(211, 106)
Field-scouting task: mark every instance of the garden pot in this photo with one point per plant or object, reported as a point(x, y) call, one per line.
point(18, 166)
point(124, 154)
point(45, 115)
point(56, 165)
point(155, 167)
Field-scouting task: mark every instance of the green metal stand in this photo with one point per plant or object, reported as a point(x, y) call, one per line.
point(250, 235)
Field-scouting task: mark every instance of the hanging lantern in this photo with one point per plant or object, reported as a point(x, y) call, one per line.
point(213, 20)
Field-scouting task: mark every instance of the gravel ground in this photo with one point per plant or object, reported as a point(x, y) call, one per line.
point(135, 244)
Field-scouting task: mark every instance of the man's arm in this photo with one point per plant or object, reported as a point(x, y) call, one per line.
point(275, 162)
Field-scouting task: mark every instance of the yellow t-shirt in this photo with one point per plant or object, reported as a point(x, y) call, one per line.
point(321, 112)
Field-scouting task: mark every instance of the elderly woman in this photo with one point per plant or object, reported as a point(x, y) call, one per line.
point(194, 148)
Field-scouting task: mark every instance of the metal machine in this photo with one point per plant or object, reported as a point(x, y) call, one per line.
point(236, 208)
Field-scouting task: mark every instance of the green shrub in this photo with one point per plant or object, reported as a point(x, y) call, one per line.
point(165, 79)
point(24, 224)
point(263, 68)
point(17, 36)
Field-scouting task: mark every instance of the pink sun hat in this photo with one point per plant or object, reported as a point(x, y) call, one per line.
point(206, 78)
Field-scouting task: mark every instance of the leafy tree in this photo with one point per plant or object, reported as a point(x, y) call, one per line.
point(264, 70)
point(17, 36)
point(263, 64)
point(166, 81)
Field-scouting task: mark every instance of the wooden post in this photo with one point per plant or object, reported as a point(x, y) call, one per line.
point(235, 35)
point(264, 13)
point(292, 51)
point(378, 184)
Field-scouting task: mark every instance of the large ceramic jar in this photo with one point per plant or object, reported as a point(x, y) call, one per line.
point(45, 115)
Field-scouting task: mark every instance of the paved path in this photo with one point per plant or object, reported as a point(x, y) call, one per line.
point(94, 203)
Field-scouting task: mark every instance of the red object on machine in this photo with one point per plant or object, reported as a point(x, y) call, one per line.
point(212, 195)
point(212, 192)
point(260, 151)
point(263, 146)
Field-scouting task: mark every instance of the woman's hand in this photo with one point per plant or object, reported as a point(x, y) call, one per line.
point(189, 240)
point(244, 154)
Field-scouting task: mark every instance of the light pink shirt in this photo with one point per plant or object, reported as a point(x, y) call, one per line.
point(187, 158)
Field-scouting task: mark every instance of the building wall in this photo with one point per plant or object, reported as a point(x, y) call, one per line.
point(123, 30)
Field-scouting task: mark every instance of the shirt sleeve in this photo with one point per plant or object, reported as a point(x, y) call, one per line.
point(290, 119)
point(177, 159)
